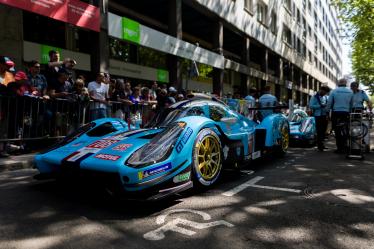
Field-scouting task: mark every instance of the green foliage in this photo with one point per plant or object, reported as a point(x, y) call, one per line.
point(358, 17)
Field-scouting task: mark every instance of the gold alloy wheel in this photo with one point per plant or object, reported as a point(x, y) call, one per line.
point(209, 157)
point(285, 139)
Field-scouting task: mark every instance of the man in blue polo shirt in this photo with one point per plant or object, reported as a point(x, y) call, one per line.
point(359, 97)
point(318, 104)
point(267, 100)
point(340, 103)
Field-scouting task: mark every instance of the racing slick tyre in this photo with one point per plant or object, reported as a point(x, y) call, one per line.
point(284, 141)
point(207, 158)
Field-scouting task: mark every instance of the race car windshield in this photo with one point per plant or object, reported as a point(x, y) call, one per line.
point(169, 115)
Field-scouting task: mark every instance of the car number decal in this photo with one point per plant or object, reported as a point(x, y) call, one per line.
point(101, 144)
point(122, 147)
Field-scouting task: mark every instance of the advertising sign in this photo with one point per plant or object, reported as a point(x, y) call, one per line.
point(71, 11)
point(130, 30)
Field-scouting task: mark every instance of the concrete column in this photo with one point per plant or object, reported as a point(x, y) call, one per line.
point(279, 72)
point(175, 29)
point(11, 34)
point(100, 48)
point(245, 80)
point(264, 66)
point(218, 45)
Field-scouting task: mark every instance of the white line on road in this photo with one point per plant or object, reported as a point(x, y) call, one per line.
point(252, 183)
point(243, 186)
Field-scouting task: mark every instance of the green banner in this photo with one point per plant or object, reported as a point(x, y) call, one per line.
point(131, 30)
point(162, 75)
point(44, 49)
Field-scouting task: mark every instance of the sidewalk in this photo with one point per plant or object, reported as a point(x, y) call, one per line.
point(17, 162)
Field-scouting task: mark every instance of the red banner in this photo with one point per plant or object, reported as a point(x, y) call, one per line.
point(71, 11)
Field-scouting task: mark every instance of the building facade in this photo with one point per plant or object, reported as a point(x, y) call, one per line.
point(217, 46)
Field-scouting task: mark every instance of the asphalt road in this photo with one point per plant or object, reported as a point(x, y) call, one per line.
point(308, 200)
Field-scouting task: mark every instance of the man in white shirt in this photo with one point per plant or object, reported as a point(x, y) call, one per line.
point(99, 93)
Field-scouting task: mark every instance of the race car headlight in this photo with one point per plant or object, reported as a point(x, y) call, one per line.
point(158, 149)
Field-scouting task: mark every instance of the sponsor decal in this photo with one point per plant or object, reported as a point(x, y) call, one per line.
point(187, 135)
point(179, 147)
point(108, 157)
point(101, 144)
point(184, 139)
point(77, 155)
point(182, 177)
point(76, 145)
point(150, 172)
point(122, 147)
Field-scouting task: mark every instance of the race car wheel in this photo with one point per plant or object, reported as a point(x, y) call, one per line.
point(285, 140)
point(207, 158)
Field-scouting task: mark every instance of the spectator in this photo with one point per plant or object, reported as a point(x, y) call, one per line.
point(127, 90)
point(5, 75)
point(80, 90)
point(119, 93)
point(68, 65)
point(135, 97)
point(54, 66)
point(172, 95)
point(60, 87)
point(146, 96)
point(180, 97)
point(153, 91)
point(37, 80)
point(98, 92)
point(162, 99)
point(21, 86)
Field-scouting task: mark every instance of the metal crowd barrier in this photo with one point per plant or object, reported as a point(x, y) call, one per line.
point(30, 118)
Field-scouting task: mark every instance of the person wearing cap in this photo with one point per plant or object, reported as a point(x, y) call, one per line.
point(98, 91)
point(21, 86)
point(359, 97)
point(171, 96)
point(37, 80)
point(267, 100)
point(318, 105)
point(6, 76)
point(340, 103)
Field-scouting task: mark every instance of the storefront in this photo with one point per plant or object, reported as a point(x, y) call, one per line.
point(133, 37)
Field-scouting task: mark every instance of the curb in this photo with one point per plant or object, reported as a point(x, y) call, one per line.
point(17, 162)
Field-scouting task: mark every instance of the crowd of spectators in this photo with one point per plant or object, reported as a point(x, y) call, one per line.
point(104, 96)
point(59, 80)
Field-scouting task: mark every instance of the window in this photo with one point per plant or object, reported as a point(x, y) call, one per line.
point(248, 5)
point(287, 35)
point(261, 12)
point(273, 23)
point(309, 7)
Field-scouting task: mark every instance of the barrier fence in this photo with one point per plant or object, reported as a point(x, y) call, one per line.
point(30, 118)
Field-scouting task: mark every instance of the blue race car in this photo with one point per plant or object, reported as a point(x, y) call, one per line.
point(302, 128)
point(184, 145)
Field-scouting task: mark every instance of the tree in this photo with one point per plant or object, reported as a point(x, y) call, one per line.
point(358, 17)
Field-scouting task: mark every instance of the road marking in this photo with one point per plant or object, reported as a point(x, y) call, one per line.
point(243, 186)
point(159, 233)
point(252, 183)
